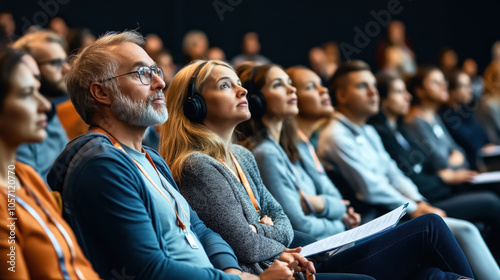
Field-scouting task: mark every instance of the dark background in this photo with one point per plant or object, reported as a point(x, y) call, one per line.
point(287, 28)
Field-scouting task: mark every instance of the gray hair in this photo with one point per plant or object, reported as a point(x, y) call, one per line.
point(95, 64)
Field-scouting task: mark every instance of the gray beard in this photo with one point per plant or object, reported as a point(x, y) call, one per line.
point(139, 113)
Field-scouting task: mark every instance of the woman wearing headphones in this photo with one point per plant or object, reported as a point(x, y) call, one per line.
point(221, 182)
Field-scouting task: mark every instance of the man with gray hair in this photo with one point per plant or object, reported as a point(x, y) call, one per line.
point(119, 197)
point(48, 50)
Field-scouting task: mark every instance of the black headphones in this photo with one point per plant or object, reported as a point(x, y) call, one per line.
point(256, 100)
point(195, 108)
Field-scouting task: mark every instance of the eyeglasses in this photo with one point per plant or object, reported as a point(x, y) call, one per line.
point(57, 62)
point(145, 74)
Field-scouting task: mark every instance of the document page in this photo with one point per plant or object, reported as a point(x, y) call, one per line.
point(486, 178)
point(380, 224)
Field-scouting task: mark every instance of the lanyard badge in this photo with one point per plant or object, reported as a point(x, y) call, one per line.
point(190, 239)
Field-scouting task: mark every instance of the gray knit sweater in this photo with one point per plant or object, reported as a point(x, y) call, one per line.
point(224, 206)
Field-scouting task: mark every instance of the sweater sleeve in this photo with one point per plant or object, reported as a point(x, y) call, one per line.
point(115, 223)
point(324, 187)
point(282, 230)
point(211, 196)
point(276, 177)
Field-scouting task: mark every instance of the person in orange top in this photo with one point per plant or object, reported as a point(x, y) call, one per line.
point(70, 120)
point(35, 241)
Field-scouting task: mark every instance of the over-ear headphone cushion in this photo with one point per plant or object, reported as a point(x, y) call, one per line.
point(256, 104)
point(256, 100)
point(195, 108)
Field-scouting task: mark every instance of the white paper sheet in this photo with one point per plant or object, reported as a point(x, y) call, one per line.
point(486, 178)
point(377, 225)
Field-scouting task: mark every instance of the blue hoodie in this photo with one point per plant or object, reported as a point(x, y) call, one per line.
point(111, 211)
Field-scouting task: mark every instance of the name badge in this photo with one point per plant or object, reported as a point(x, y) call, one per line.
point(438, 131)
point(417, 168)
point(190, 239)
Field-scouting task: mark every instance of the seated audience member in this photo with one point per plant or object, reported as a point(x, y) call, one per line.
point(58, 25)
point(469, 66)
point(117, 192)
point(312, 206)
point(488, 113)
point(47, 49)
point(396, 41)
point(35, 241)
point(78, 39)
point(447, 59)
point(194, 45)
point(475, 206)
point(250, 51)
point(153, 44)
point(164, 59)
point(8, 24)
point(216, 53)
point(430, 90)
point(206, 102)
point(459, 118)
point(355, 147)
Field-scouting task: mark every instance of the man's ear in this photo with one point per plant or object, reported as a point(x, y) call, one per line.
point(419, 92)
point(100, 93)
point(340, 95)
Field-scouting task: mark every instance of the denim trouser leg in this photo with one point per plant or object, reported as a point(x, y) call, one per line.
point(402, 252)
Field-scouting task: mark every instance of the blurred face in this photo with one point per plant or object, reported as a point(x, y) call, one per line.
point(7, 20)
point(396, 31)
point(137, 104)
point(398, 99)
point(435, 88)
point(280, 95)
point(450, 59)
point(225, 98)
point(359, 95)
point(199, 47)
point(470, 67)
point(51, 59)
point(251, 45)
point(23, 117)
point(462, 94)
point(313, 98)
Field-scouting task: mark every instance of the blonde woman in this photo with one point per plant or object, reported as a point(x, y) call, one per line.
point(221, 181)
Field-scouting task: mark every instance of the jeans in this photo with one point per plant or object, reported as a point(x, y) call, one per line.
point(422, 248)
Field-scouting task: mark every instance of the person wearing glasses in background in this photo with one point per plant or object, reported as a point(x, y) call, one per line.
point(119, 197)
point(48, 50)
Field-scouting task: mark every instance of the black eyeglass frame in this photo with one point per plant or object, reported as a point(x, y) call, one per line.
point(153, 69)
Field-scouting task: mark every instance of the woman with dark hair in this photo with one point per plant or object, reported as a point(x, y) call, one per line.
point(221, 180)
point(430, 90)
point(459, 119)
point(35, 241)
point(477, 206)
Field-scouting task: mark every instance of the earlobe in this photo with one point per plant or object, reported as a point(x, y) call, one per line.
point(419, 92)
point(100, 93)
point(339, 95)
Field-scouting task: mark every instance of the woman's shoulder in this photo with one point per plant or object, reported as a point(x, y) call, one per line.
point(240, 150)
point(198, 160)
point(265, 147)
